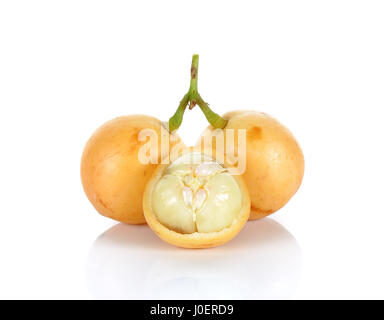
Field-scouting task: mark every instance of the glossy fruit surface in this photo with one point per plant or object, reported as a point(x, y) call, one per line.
point(274, 160)
point(195, 203)
point(112, 175)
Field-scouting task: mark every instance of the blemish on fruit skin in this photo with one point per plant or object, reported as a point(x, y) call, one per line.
point(101, 202)
point(262, 210)
point(147, 170)
point(255, 133)
point(134, 140)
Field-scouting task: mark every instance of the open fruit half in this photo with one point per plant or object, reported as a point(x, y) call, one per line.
point(194, 202)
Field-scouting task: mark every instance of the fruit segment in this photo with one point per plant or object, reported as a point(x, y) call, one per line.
point(222, 204)
point(195, 194)
point(170, 207)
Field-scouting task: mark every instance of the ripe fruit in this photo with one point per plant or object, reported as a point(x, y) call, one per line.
point(274, 160)
point(112, 175)
point(194, 203)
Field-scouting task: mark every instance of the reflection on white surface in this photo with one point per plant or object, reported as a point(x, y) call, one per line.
point(130, 262)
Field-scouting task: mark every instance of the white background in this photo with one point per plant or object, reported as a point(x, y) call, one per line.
point(66, 67)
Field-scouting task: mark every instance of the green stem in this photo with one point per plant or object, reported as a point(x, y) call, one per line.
point(192, 98)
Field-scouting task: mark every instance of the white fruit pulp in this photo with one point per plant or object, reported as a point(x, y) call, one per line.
point(196, 194)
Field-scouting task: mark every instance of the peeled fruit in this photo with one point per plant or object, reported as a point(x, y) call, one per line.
point(274, 160)
point(195, 203)
point(112, 175)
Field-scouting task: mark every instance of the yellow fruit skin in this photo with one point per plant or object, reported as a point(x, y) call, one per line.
point(194, 240)
point(274, 160)
point(112, 176)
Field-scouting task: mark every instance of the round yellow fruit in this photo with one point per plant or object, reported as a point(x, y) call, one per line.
point(195, 203)
point(112, 175)
point(274, 160)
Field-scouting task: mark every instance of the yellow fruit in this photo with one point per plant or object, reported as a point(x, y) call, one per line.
point(113, 178)
point(194, 203)
point(274, 160)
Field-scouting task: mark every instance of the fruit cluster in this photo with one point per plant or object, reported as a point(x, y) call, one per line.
point(192, 197)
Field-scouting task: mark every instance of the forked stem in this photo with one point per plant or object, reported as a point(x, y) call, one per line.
point(193, 98)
